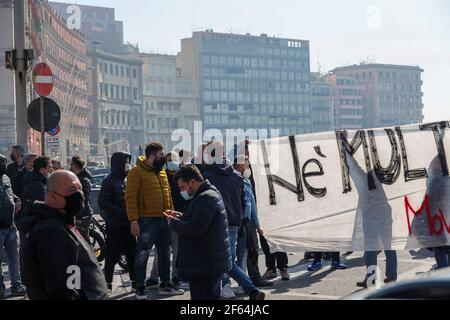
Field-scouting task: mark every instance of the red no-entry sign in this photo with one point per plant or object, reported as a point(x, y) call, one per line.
point(42, 79)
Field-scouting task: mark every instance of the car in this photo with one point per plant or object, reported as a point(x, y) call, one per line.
point(96, 184)
point(434, 286)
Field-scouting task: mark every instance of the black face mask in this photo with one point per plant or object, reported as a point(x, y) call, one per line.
point(159, 164)
point(74, 204)
point(13, 158)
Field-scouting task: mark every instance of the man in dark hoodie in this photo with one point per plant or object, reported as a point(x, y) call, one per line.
point(35, 183)
point(111, 200)
point(83, 219)
point(58, 264)
point(219, 171)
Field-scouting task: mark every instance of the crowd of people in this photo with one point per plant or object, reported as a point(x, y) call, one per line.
point(200, 215)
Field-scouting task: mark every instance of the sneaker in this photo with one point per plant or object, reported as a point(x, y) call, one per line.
point(227, 292)
point(336, 265)
point(133, 286)
point(285, 275)
point(363, 284)
point(315, 266)
point(269, 275)
point(239, 290)
point(109, 285)
point(167, 289)
point(151, 283)
point(180, 284)
point(263, 284)
point(257, 295)
point(389, 280)
point(140, 293)
point(18, 290)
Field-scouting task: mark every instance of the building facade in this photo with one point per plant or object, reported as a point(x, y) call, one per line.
point(7, 111)
point(392, 94)
point(115, 99)
point(170, 100)
point(322, 103)
point(98, 24)
point(348, 103)
point(64, 50)
point(247, 81)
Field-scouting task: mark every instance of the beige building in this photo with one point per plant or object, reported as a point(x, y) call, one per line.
point(348, 106)
point(392, 93)
point(170, 100)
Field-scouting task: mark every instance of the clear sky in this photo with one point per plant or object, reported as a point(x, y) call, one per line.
point(411, 32)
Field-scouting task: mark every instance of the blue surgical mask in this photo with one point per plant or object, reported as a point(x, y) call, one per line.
point(186, 195)
point(173, 166)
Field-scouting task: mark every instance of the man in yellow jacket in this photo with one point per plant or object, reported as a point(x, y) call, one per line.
point(147, 196)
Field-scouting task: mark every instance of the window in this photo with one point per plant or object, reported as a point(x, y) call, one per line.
point(117, 70)
point(135, 94)
point(122, 71)
point(111, 69)
point(134, 73)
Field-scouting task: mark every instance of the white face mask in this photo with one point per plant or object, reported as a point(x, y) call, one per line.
point(247, 173)
point(186, 195)
point(127, 167)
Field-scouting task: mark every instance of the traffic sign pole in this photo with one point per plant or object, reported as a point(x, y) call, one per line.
point(42, 126)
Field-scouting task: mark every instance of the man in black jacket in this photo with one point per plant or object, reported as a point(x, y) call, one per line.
point(58, 264)
point(83, 219)
point(203, 247)
point(35, 183)
point(111, 200)
point(9, 205)
point(17, 156)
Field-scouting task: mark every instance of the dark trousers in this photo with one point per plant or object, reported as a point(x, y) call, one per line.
point(335, 256)
point(119, 241)
point(277, 260)
point(205, 288)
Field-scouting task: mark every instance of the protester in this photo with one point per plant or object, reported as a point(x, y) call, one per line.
point(199, 160)
point(247, 247)
point(230, 184)
point(119, 239)
point(17, 157)
point(179, 204)
point(54, 251)
point(17, 182)
point(274, 261)
point(335, 262)
point(204, 246)
point(9, 205)
point(56, 164)
point(147, 197)
point(84, 218)
point(35, 183)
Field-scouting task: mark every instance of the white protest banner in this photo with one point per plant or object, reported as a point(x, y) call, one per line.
point(354, 191)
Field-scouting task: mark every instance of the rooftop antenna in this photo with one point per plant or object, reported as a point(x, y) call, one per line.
point(318, 64)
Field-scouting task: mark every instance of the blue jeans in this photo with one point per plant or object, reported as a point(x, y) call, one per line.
point(154, 231)
point(9, 242)
point(442, 256)
point(236, 273)
point(370, 258)
point(242, 252)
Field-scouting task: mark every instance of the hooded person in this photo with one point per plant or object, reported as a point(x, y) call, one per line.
point(57, 262)
point(119, 240)
point(220, 173)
